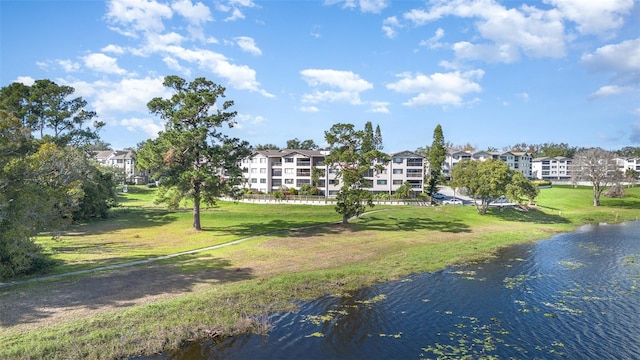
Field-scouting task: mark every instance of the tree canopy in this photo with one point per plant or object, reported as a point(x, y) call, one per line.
point(487, 180)
point(302, 145)
point(596, 166)
point(353, 157)
point(192, 158)
point(437, 156)
point(47, 177)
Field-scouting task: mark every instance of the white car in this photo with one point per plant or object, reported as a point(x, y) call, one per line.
point(452, 201)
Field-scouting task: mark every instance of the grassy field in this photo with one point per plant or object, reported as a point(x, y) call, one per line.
point(266, 273)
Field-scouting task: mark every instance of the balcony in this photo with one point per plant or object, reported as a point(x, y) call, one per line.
point(303, 172)
point(303, 162)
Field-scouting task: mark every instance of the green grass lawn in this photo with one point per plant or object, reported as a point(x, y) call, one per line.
point(280, 267)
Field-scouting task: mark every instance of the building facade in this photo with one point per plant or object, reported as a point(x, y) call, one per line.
point(125, 163)
point(518, 161)
point(551, 168)
point(275, 170)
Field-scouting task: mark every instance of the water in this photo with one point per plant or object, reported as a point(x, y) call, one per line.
point(574, 296)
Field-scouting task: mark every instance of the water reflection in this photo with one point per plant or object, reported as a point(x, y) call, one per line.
point(574, 296)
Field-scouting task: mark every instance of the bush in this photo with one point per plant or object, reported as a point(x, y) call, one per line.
point(540, 183)
point(616, 191)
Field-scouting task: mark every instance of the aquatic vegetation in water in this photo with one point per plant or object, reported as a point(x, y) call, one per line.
point(572, 265)
point(395, 336)
point(319, 319)
point(468, 275)
point(513, 282)
point(315, 334)
point(373, 300)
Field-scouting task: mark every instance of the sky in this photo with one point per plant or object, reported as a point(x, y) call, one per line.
point(491, 73)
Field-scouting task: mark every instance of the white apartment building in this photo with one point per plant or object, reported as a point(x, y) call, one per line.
point(520, 161)
point(125, 160)
point(628, 163)
point(272, 170)
point(551, 168)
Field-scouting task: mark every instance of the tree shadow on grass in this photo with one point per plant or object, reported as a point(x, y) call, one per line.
point(71, 297)
point(124, 218)
point(411, 224)
point(515, 214)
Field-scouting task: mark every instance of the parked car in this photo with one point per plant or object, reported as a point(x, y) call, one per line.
point(452, 201)
point(438, 196)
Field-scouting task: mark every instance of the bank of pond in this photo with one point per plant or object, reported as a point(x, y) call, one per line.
point(573, 296)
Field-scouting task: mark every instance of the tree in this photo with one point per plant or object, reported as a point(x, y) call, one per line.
point(521, 187)
point(196, 160)
point(352, 162)
point(437, 156)
point(404, 191)
point(304, 145)
point(46, 109)
point(553, 150)
point(632, 176)
point(483, 180)
point(596, 166)
point(629, 151)
point(260, 147)
point(377, 138)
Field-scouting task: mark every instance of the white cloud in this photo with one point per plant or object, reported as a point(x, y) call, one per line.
point(147, 125)
point(389, 26)
point(373, 6)
point(528, 30)
point(609, 90)
point(594, 17)
point(345, 80)
point(133, 16)
point(102, 63)
point(434, 41)
point(236, 14)
point(308, 109)
point(524, 96)
point(622, 59)
point(115, 49)
point(379, 107)
point(173, 64)
point(195, 14)
point(108, 97)
point(248, 44)
point(438, 88)
point(27, 80)
point(68, 65)
point(349, 86)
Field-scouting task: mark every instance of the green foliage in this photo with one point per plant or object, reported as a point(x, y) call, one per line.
point(437, 156)
point(404, 191)
point(540, 183)
point(193, 158)
point(301, 145)
point(521, 187)
point(353, 156)
point(483, 180)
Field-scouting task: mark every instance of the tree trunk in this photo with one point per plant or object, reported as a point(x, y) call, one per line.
point(345, 219)
point(196, 207)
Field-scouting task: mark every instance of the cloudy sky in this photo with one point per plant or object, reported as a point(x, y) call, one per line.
point(492, 73)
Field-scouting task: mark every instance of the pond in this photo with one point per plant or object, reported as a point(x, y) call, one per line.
point(574, 296)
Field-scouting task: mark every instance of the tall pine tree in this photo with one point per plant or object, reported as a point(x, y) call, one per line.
point(437, 154)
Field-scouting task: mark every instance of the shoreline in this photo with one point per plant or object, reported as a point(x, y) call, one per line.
point(257, 287)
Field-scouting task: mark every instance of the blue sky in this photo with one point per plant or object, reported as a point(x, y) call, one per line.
point(492, 73)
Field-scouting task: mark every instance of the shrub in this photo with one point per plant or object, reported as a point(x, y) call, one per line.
point(616, 191)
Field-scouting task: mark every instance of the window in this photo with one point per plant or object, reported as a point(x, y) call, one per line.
point(333, 171)
point(397, 182)
point(381, 182)
point(414, 162)
point(276, 172)
point(254, 181)
point(332, 181)
point(397, 171)
point(263, 170)
point(301, 182)
point(288, 181)
point(398, 160)
point(288, 171)
point(383, 171)
point(414, 172)
point(288, 160)
point(254, 170)
point(263, 160)
point(303, 162)
point(303, 172)
point(276, 183)
point(263, 181)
